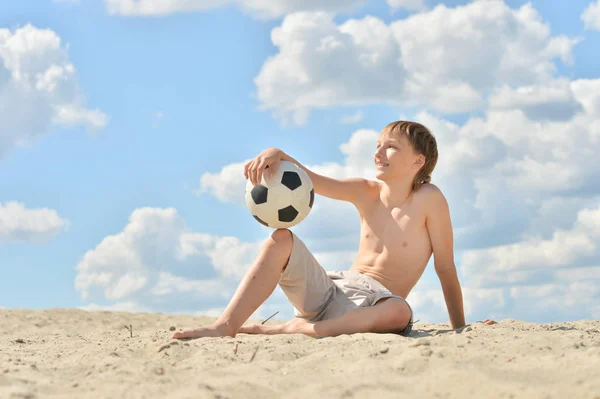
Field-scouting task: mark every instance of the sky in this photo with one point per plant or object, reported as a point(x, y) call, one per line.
point(125, 125)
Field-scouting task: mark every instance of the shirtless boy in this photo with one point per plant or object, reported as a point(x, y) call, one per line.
point(404, 219)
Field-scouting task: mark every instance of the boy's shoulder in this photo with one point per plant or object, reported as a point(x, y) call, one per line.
point(430, 198)
point(430, 195)
point(429, 190)
point(424, 192)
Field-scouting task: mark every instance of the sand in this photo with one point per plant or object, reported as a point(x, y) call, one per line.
point(68, 353)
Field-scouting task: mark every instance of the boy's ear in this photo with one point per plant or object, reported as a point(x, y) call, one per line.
point(420, 161)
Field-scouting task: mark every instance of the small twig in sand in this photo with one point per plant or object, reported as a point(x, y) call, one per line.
point(254, 354)
point(130, 331)
point(163, 347)
point(235, 349)
point(268, 318)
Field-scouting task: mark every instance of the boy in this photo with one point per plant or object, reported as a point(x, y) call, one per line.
point(404, 219)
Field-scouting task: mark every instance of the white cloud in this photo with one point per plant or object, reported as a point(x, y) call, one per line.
point(386, 64)
point(565, 249)
point(157, 7)
point(514, 161)
point(128, 306)
point(212, 312)
point(414, 5)
point(586, 91)
point(156, 259)
point(260, 8)
point(351, 119)
point(38, 88)
point(70, 115)
point(553, 101)
point(18, 223)
point(169, 284)
point(228, 185)
point(591, 16)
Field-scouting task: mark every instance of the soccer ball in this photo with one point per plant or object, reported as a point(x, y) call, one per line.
point(282, 200)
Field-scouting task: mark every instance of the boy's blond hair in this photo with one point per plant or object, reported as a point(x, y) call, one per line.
point(422, 142)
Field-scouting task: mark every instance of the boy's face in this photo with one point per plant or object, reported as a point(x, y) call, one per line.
point(395, 158)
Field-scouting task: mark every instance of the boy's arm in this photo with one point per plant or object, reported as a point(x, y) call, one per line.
point(439, 227)
point(349, 189)
point(352, 189)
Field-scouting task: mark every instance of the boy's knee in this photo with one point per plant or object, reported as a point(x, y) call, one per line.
point(397, 315)
point(282, 242)
point(281, 236)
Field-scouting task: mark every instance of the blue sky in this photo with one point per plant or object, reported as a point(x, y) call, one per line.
point(124, 124)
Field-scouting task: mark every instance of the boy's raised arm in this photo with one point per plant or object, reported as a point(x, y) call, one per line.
point(349, 189)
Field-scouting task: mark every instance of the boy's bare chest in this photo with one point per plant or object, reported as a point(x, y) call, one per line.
point(394, 231)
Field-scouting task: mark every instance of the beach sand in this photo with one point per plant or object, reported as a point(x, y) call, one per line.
point(69, 353)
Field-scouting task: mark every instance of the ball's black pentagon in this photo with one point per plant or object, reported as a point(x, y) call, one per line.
point(287, 214)
point(259, 194)
point(312, 198)
point(291, 180)
point(260, 220)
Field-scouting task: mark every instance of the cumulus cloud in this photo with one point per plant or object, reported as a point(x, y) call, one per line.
point(227, 185)
point(260, 8)
point(591, 16)
point(414, 5)
point(70, 115)
point(366, 61)
point(128, 306)
point(38, 88)
point(553, 101)
point(353, 118)
point(518, 262)
point(540, 170)
point(149, 255)
point(18, 223)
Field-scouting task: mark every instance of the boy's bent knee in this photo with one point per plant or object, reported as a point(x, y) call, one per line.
point(398, 313)
point(282, 242)
point(282, 236)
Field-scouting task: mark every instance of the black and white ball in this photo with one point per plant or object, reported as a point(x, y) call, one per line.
point(282, 200)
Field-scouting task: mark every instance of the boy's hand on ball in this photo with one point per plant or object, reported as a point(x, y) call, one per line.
point(254, 169)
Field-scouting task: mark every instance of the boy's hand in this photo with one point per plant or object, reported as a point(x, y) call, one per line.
point(269, 158)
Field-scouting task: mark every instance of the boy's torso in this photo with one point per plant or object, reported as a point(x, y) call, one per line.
point(394, 243)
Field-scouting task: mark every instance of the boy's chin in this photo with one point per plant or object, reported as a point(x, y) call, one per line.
point(380, 175)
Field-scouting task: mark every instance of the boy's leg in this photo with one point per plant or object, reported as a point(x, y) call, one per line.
point(389, 315)
point(256, 286)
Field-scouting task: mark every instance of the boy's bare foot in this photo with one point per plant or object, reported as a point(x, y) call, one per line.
point(208, 331)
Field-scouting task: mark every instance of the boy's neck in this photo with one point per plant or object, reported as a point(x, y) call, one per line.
point(395, 193)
